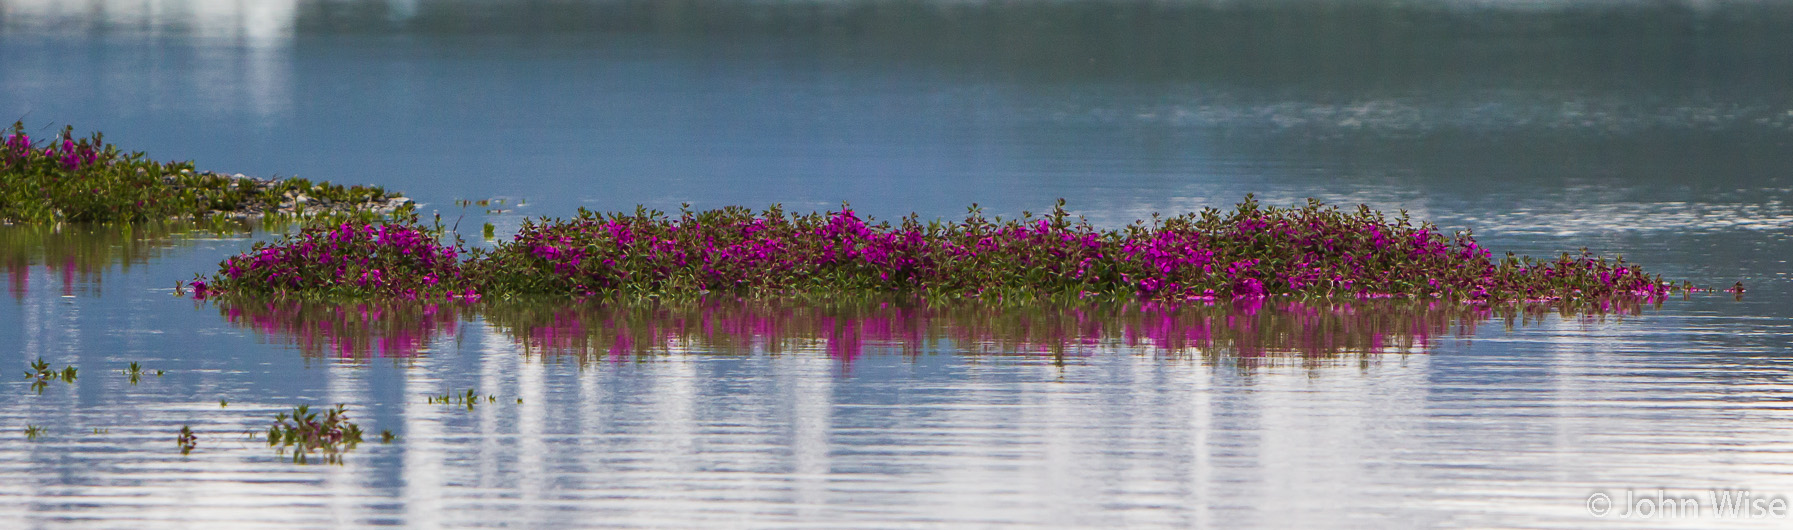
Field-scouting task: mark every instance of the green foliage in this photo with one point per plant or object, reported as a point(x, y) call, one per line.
point(1309, 251)
point(1248, 252)
point(401, 260)
point(40, 375)
point(69, 179)
point(187, 439)
point(468, 399)
point(305, 432)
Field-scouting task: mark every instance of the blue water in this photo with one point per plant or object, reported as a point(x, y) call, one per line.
point(1655, 130)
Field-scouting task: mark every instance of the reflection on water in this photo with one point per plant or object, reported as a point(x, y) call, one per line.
point(254, 22)
point(349, 331)
point(865, 415)
point(79, 254)
point(848, 331)
point(1512, 429)
point(1248, 332)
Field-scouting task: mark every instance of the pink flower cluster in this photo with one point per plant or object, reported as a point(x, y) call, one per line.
point(354, 259)
point(1251, 252)
point(68, 153)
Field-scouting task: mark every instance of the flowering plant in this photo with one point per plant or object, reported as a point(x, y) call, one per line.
point(1249, 252)
point(64, 178)
point(1313, 250)
point(354, 259)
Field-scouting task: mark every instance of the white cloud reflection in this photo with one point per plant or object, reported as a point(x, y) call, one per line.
point(251, 22)
point(219, 57)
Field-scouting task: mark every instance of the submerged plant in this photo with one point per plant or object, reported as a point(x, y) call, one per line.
point(305, 432)
point(469, 399)
point(40, 375)
point(39, 370)
point(187, 439)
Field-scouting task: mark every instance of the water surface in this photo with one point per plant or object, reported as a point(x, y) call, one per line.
point(1656, 130)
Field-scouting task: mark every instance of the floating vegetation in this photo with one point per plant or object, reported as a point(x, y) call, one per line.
point(222, 403)
point(487, 204)
point(1312, 251)
point(99, 430)
point(187, 440)
point(40, 369)
point(386, 436)
point(40, 375)
point(351, 260)
point(469, 399)
point(64, 178)
point(306, 432)
point(32, 432)
point(135, 372)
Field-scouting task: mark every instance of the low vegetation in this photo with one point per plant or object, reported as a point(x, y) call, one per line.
point(1311, 251)
point(366, 243)
point(350, 260)
point(63, 178)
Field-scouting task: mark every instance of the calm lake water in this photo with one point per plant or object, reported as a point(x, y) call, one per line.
point(1659, 130)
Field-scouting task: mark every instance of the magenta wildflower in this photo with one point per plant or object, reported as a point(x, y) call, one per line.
point(1252, 252)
